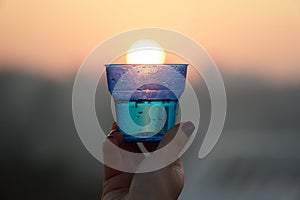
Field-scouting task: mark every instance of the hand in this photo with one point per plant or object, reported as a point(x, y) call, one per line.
point(165, 184)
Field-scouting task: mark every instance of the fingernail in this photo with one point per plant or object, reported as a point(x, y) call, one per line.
point(112, 139)
point(188, 128)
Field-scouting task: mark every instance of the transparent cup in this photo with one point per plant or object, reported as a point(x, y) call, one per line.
point(146, 98)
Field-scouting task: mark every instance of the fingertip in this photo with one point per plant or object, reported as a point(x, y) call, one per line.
point(169, 135)
point(116, 137)
point(188, 128)
point(114, 127)
point(181, 132)
point(112, 139)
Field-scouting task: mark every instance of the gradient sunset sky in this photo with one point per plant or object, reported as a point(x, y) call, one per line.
point(260, 37)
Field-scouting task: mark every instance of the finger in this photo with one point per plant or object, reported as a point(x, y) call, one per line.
point(169, 136)
point(115, 126)
point(128, 146)
point(178, 135)
point(151, 146)
point(111, 154)
point(176, 139)
point(169, 148)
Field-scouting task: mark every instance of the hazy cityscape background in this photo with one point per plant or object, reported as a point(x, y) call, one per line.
point(257, 156)
point(255, 44)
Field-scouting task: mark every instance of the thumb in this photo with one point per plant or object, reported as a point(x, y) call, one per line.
point(169, 148)
point(180, 134)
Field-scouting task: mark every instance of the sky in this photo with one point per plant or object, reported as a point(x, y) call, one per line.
point(260, 37)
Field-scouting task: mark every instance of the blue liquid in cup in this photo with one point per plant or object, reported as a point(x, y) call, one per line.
point(146, 98)
point(153, 124)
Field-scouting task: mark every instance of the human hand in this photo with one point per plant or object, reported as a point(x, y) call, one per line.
point(165, 184)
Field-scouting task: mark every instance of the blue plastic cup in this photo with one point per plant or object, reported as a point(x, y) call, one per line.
point(146, 98)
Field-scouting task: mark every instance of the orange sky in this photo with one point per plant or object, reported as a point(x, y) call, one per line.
point(53, 37)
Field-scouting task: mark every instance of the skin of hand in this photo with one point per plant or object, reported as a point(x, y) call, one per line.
point(164, 184)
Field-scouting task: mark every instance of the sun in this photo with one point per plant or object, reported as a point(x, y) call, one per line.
point(145, 52)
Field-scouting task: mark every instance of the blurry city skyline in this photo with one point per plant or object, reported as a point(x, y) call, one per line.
point(255, 44)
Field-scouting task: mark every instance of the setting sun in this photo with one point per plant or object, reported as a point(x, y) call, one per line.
point(145, 52)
